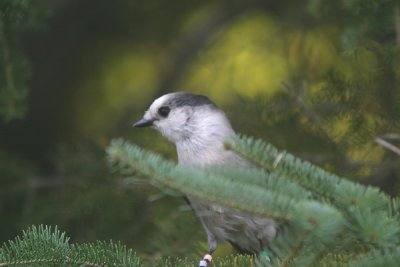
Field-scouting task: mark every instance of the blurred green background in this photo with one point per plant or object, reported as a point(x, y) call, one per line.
point(319, 79)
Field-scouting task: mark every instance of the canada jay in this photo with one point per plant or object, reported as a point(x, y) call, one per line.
point(198, 128)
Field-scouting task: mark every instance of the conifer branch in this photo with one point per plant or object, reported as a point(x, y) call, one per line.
point(378, 257)
point(268, 157)
point(356, 201)
point(45, 246)
point(310, 203)
point(236, 189)
point(295, 250)
point(340, 191)
point(192, 181)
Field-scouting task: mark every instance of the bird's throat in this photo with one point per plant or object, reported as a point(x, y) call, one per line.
point(198, 152)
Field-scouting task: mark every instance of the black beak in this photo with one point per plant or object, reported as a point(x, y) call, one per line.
point(143, 123)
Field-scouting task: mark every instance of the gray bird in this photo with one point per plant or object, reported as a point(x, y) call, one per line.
point(198, 128)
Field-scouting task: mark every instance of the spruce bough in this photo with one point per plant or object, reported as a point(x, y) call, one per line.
point(324, 220)
point(320, 214)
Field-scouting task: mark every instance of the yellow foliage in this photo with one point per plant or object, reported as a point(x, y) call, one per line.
point(358, 65)
point(339, 127)
point(365, 152)
point(252, 56)
point(312, 53)
point(246, 58)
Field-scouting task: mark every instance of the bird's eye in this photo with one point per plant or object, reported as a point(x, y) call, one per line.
point(164, 111)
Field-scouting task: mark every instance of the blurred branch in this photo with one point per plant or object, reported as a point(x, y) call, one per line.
point(312, 116)
point(48, 182)
point(391, 136)
point(387, 145)
point(8, 71)
point(397, 22)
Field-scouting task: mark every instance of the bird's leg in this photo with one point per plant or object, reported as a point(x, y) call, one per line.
point(211, 241)
point(264, 252)
point(205, 261)
point(212, 246)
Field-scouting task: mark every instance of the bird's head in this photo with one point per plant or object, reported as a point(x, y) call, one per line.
point(185, 116)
